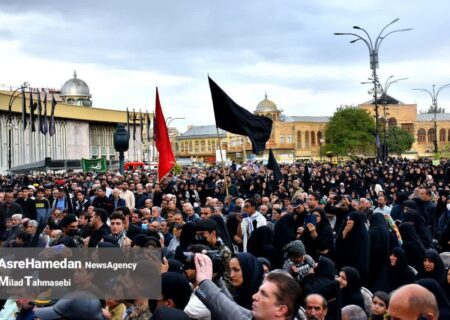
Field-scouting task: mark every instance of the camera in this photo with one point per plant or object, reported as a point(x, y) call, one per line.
point(214, 255)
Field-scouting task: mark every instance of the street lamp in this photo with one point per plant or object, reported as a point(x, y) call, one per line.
point(373, 53)
point(389, 81)
point(170, 119)
point(13, 97)
point(434, 95)
point(321, 141)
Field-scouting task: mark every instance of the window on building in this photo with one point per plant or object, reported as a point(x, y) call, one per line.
point(392, 122)
point(313, 138)
point(203, 146)
point(431, 135)
point(307, 145)
point(319, 137)
point(190, 146)
point(282, 139)
point(94, 152)
point(289, 139)
point(409, 127)
point(196, 146)
point(442, 135)
point(421, 135)
point(299, 139)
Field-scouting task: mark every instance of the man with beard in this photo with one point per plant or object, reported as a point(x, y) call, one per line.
point(127, 195)
point(99, 226)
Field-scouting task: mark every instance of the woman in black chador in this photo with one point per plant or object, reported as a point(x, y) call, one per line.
point(353, 245)
point(398, 271)
point(379, 252)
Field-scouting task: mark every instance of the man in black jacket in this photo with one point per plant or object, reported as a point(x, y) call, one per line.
point(99, 226)
point(103, 202)
point(7, 209)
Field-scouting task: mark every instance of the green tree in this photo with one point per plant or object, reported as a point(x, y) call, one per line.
point(432, 108)
point(351, 130)
point(398, 140)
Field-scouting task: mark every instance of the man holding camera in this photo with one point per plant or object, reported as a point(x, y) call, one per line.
point(278, 296)
point(207, 235)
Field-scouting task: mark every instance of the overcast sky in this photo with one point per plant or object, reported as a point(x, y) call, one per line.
point(124, 49)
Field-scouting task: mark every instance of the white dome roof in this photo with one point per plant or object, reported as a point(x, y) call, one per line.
point(75, 87)
point(266, 105)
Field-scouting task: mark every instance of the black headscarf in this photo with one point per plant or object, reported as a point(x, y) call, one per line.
point(252, 274)
point(355, 248)
point(400, 274)
point(187, 238)
point(439, 294)
point(438, 273)
point(351, 294)
point(413, 246)
point(422, 229)
point(379, 251)
point(285, 231)
point(222, 231)
point(260, 244)
point(323, 241)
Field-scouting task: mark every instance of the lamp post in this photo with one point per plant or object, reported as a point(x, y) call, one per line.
point(389, 81)
point(321, 141)
point(434, 96)
point(373, 54)
point(170, 119)
point(13, 97)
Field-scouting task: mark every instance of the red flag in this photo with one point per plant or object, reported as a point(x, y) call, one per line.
point(162, 141)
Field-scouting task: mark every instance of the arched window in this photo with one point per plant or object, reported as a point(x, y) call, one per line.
point(431, 135)
point(392, 122)
point(299, 139)
point(442, 135)
point(313, 138)
point(319, 136)
point(421, 136)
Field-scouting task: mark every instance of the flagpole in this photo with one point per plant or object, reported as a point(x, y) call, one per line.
point(223, 163)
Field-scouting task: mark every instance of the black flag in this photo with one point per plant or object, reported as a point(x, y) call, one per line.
point(52, 127)
point(40, 118)
point(147, 122)
point(24, 109)
point(233, 118)
point(32, 107)
point(134, 125)
point(141, 123)
point(128, 123)
point(273, 165)
point(45, 120)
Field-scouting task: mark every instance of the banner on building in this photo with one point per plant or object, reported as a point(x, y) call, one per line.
point(94, 165)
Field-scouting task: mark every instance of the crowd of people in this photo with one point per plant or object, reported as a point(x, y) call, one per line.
point(354, 240)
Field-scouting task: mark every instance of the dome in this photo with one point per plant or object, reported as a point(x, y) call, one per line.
point(75, 87)
point(266, 106)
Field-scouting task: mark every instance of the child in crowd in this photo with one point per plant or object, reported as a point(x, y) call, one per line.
point(380, 303)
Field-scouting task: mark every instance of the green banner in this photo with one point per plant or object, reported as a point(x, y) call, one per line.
point(94, 165)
